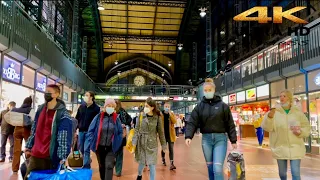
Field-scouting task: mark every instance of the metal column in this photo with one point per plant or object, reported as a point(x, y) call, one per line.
point(75, 33)
point(84, 53)
point(194, 61)
point(211, 66)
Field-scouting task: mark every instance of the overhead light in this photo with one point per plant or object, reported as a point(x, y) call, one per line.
point(169, 64)
point(222, 32)
point(223, 51)
point(162, 74)
point(244, 35)
point(203, 11)
point(110, 44)
point(100, 7)
point(4, 3)
point(119, 72)
point(232, 43)
point(180, 46)
point(116, 62)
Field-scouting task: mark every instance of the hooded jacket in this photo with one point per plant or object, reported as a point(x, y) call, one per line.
point(85, 115)
point(211, 116)
point(61, 133)
point(283, 143)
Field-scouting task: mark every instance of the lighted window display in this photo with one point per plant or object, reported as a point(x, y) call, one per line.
point(271, 57)
point(39, 99)
point(246, 68)
point(68, 102)
point(254, 65)
point(260, 62)
point(297, 84)
point(232, 98)
point(314, 80)
point(11, 70)
point(314, 107)
point(28, 77)
point(251, 94)
point(14, 92)
point(41, 82)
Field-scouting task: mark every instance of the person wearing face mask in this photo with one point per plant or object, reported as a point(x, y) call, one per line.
point(85, 114)
point(145, 138)
point(214, 119)
point(287, 126)
point(105, 135)
point(51, 134)
point(169, 120)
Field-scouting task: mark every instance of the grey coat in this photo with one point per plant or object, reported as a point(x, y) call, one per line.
point(145, 139)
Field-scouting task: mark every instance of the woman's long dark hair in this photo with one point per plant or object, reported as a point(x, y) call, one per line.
point(153, 104)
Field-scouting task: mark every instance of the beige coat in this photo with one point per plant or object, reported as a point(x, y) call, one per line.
point(283, 143)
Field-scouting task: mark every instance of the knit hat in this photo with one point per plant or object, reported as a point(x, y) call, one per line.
point(110, 101)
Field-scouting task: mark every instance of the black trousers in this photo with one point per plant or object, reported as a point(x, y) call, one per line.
point(106, 160)
point(170, 146)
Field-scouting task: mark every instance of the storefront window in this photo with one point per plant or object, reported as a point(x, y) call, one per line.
point(28, 77)
point(51, 81)
point(314, 80)
point(246, 68)
point(11, 70)
point(14, 92)
point(314, 107)
point(260, 62)
point(41, 82)
point(277, 87)
point(39, 99)
point(297, 84)
point(254, 65)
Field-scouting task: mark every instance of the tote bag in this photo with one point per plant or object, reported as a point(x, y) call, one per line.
point(129, 145)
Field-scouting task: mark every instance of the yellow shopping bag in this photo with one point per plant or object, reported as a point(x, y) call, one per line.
point(131, 148)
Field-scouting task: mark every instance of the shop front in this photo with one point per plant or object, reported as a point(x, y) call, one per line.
point(67, 97)
point(10, 88)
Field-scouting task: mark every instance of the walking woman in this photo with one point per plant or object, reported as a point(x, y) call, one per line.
point(145, 138)
point(105, 137)
point(287, 126)
point(214, 119)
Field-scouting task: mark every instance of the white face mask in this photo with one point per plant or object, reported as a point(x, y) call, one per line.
point(146, 110)
point(109, 110)
point(85, 99)
point(285, 104)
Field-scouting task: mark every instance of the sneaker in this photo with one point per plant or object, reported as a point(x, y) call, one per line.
point(139, 178)
point(164, 162)
point(173, 167)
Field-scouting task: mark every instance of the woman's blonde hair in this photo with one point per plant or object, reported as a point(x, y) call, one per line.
point(289, 95)
point(209, 81)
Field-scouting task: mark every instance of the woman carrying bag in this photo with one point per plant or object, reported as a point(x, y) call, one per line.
point(145, 141)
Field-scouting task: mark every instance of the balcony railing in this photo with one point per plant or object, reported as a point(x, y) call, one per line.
point(147, 90)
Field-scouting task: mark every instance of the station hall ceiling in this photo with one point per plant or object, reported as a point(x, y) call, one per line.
point(148, 26)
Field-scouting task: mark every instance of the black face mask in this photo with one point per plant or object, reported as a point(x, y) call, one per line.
point(47, 97)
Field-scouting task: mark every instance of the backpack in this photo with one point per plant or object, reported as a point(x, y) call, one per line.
point(236, 166)
point(19, 119)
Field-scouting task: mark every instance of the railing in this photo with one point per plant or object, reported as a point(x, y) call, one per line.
point(147, 90)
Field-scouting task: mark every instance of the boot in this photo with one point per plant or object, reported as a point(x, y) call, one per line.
point(164, 162)
point(172, 166)
point(139, 178)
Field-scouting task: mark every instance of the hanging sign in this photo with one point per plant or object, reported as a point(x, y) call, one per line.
point(232, 98)
point(11, 70)
point(251, 94)
point(317, 79)
point(41, 82)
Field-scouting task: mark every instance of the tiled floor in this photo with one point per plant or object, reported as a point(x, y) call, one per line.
point(190, 164)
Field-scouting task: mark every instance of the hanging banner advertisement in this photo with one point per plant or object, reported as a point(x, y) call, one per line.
point(251, 94)
point(232, 98)
point(11, 70)
point(241, 97)
point(41, 82)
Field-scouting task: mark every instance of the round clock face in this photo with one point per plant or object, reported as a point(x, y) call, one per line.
point(139, 81)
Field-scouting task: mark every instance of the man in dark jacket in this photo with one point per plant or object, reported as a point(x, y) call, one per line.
point(20, 133)
point(51, 135)
point(6, 133)
point(86, 113)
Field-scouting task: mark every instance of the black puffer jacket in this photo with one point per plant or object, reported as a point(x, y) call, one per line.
point(211, 116)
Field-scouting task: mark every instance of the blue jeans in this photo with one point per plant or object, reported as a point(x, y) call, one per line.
point(152, 170)
point(295, 168)
point(260, 134)
point(119, 161)
point(214, 147)
point(84, 144)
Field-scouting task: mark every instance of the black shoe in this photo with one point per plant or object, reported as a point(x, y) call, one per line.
point(139, 178)
point(172, 167)
point(164, 162)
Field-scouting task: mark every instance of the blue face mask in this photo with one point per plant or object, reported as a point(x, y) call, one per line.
point(166, 109)
point(208, 95)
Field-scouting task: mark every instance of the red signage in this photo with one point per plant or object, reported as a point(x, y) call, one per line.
point(232, 98)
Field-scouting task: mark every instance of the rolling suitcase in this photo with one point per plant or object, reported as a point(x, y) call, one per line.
point(236, 166)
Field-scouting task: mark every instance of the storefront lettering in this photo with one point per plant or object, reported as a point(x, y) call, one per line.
point(42, 85)
point(10, 73)
point(317, 79)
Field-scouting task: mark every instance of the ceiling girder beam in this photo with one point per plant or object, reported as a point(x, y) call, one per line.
point(154, 22)
point(180, 3)
point(108, 38)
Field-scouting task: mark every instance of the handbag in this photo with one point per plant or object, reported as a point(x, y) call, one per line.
point(129, 145)
point(75, 158)
point(18, 119)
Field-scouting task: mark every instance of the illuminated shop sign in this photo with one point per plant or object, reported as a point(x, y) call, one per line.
point(11, 70)
point(317, 79)
point(251, 94)
point(263, 91)
point(241, 96)
point(41, 82)
point(159, 98)
point(232, 98)
point(225, 99)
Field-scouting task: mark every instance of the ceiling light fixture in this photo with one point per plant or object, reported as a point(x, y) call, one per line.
point(232, 43)
point(203, 11)
point(162, 74)
point(180, 46)
point(169, 64)
point(119, 72)
point(100, 6)
point(116, 62)
point(223, 51)
point(222, 32)
point(244, 35)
